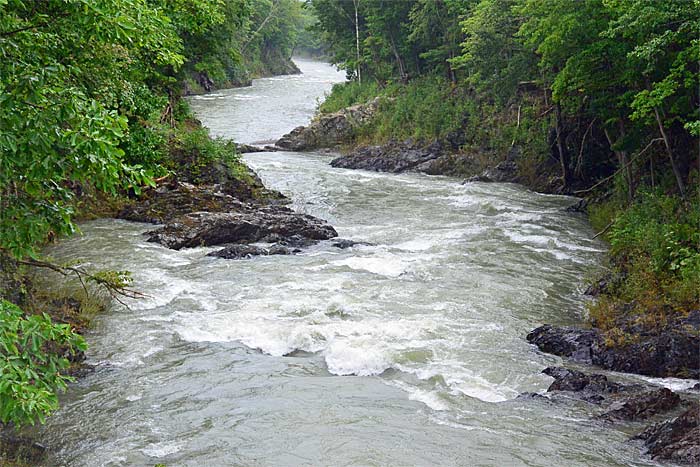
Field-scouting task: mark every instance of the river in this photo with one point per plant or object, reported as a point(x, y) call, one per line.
point(409, 351)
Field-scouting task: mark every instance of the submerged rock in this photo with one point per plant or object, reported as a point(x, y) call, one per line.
point(643, 406)
point(677, 439)
point(207, 228)
point(248, 251)
point(343, 243)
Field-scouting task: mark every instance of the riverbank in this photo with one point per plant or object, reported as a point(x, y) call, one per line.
point(635, 325)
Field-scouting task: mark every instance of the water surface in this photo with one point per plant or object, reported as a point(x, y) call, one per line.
point(408, 351)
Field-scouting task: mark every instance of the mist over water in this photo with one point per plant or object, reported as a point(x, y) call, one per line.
point(407, 351)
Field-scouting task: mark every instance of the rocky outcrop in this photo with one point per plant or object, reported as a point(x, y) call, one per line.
point(329, 130)
point(620, 401)
point(168, 202)
point(226, 211)
point(435, 158)
point(506, 171)
point(670, 350)
point(392, 157)
point(677, 439)
point(218, 228)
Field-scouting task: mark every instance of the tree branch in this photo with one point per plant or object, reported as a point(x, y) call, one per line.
point(655, 140)
point(116, 291)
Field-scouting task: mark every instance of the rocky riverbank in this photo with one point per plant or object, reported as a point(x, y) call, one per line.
point(667, 422)
point(339, 131)
point(233, 212)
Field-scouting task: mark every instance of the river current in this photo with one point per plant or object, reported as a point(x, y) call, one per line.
point(409, 351)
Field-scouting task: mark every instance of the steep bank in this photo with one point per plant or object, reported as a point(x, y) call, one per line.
point(271, 64)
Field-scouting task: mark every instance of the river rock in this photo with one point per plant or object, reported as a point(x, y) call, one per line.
point(171, 201)
point(393, 157)
point(671, 350)
point(343, 243)
point(594, 388)
point(14, 448)
point(677, 439)
point(571, 342)
point(248, 251)
point(214, 228)
point(248, 148)
point(329, 130)
point(643, 406)
point(621, 401)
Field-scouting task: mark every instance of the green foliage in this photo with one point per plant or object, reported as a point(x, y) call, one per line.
point(344, 95)
point(426, 108)
point(66, 103)
point(656, 242)
point(32, 350)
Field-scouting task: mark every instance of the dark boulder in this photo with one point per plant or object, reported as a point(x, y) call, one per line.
point(594, 388)
point(343, 243)
point(677, 439)
point(248, 251)
point(569, 342)
point(671, 350)
point(169, 202)
point(393, 157)
point(644, 405)
point(207, 228)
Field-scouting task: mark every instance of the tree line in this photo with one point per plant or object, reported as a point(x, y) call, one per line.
point(90, 104)
point(620, 78)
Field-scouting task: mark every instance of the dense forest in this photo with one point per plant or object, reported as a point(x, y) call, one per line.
point(597, 98)
point(91, 111)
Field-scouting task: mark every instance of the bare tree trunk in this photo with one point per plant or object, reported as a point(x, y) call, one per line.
point(674, 167)
point(399, 61)
point(622, 162)
point(628, 167)
point(563, 159)
point(358, 68)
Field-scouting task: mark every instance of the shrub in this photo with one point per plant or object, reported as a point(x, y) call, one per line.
point(33, 353)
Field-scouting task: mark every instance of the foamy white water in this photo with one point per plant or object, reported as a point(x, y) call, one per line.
point(406, 351)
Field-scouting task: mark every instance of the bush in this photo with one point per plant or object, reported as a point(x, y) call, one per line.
point(33, 353)
point(655, 246)
point(350, 93)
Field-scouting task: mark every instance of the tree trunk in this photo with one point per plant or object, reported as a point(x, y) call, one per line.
point(622, 162)
point(674, 166)
point(628, 168)
point(399, 61)
point(563, 156)
point(358, 68)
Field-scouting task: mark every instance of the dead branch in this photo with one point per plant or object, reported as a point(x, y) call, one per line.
point(655, 140)
point(116, 291)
